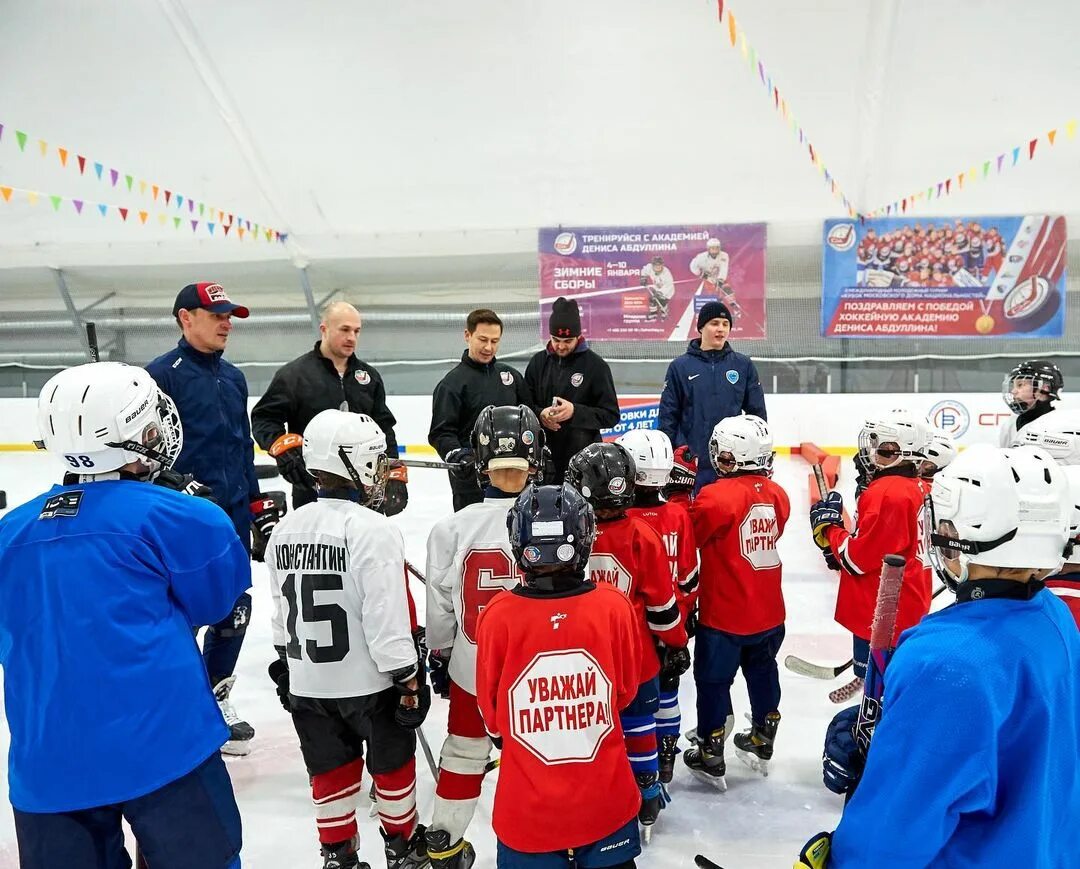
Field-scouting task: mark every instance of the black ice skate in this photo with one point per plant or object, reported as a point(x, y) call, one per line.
point(754, 747)
point(706, 760)
point(406, 854)
point(443, 855)
point(342, 855)
point(667, 752)
point(240, 732)
point(653, 798)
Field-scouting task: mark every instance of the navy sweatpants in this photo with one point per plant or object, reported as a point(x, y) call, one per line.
point(718, 656)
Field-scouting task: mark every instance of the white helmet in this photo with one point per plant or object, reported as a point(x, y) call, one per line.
point(749, 441)
point(651, 451)
point(1058, 433)
point(940, 452)
point(349, 445)
point(101, 416)
point(713, 242)
point(901, 427)
point(1005, 508)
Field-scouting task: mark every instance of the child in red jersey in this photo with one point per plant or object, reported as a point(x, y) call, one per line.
point(653, 459)
point(737, 522)
point(630, 555)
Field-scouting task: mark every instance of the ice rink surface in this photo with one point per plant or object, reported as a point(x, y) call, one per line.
point(759, 822)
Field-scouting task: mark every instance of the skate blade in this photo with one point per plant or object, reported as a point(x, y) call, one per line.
point(236, 748)
point(718, 782)
point(754, 762)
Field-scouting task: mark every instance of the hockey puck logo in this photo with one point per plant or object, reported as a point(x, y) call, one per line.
point(527, 438)
point(531, 554)
point(565, 243)
point(617, 485)
point(565, 552)
point(362, 377)
point(507, 378)
point(841, 237)
point(576, 379)
point(1030, 304)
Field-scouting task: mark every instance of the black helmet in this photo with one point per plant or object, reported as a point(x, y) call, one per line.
point(604, 473)
point(1045, 378)
point(507, 437)
point(551, 529)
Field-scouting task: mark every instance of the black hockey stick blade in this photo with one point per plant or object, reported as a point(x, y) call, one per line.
point(706, 863)
point(815, 671)
point(265, 472)
point(91, 342)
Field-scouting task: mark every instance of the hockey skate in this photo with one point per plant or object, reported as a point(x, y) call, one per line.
point(653, 799)
point(754, 747)
point(848, 691)
point(342, 856)
point(443, 855)
point(667, 752)
point(706, 760)
point(240, 732)
point(402, 853)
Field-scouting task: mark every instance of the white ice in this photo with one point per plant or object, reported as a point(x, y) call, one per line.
point(759, 822)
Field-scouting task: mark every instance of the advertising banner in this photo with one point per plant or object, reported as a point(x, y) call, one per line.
point(649, 282)
point(969, 277)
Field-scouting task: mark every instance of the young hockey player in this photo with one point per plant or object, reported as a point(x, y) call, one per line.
point(1030, 391)
point(651, 451)
point(1058, 433)
point(737, 521)
point(347, 667)
point(953, 776)
point(630, 555)
point(891, 448)
point(469, 561)
point(102, 580)
point(557, 658)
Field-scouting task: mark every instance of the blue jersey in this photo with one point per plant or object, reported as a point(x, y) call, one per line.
point(106, 694)
point(975, 761)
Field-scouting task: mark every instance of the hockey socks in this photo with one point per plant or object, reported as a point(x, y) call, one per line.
point(395, 799)
point(334, 796)
point(639, 732)
point(668, 727)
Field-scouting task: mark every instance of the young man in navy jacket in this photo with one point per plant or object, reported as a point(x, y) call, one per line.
point(708, 383)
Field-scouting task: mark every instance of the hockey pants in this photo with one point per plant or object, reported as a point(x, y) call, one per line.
point(718, 656)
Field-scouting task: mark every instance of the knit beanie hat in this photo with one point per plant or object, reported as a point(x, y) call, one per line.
point(565, 321)
point(712, 310)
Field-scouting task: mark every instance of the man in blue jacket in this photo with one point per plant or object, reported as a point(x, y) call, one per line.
point(708, 383)
point(211, 395)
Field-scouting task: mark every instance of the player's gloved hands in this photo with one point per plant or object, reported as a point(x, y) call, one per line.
point(288, 452)
point(439, 671)
point(831, 561)
point(862, 474)
point(815, 853)
point(842, 763)
point(692, 620)
point(185, 483)
point(824, 514)
point(465, 459)
point(415, 699)
point(265, 516)
point(279, 675)
point(396, 495)
point(676, 661)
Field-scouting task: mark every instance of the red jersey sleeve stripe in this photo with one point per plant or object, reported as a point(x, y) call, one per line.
point(845, 559)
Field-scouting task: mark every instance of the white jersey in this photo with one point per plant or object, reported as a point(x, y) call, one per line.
point(663, 284)
point(337, 575)
point(468, 562)
point(1007, 434)
point(712, 268)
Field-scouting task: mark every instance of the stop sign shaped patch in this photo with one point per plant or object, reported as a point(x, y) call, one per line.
point(560, 707)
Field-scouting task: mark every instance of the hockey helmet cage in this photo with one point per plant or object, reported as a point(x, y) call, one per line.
point(507, 437)
point(604, 473)
point(1044, 377)
point(348, 445)
point(908, 432)
point(551, 530)
point(940, 452)
point(651, 451)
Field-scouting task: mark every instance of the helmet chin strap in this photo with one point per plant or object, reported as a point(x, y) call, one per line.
point(371, 495)
point(146, 452)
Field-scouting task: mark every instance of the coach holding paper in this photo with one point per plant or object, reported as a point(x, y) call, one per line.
point(708, 383)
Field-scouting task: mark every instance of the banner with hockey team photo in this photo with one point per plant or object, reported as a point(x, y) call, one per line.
point(649, 282)
point(946, 277)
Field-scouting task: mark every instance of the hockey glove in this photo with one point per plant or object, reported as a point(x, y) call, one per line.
point(842, 763)
point(439, 671)
point(288, 452)
point(396, 495)
point(279, 675)
point(825, 514)
point(692, 620)
point(465, 460)
point(863, 471)
point(186, 483)
point(830, 559)
point(675, 662)
point(415, 699)
point(815, 853)
point(265, 516)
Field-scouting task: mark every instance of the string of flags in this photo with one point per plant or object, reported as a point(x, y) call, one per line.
point(180, 210)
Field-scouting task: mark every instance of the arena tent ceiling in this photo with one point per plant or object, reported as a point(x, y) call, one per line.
point(417, 129)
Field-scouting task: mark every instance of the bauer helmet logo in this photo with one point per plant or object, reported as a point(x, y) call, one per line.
point(565, 243)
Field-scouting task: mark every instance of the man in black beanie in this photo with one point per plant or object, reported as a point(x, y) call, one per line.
point(708, 383)
point(575, 395)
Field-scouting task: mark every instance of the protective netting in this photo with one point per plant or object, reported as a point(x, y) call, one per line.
point(414, 315)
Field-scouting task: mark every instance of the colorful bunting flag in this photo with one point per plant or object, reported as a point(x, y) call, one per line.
point(63, 156)
point(56, 200)
point(115, 176)
point(20, 137)
point(43, 146)
point(142, 217)
point(123, 213)
point(82, 164)
point(1051, 136)
point(78, 203)
point(6, 193)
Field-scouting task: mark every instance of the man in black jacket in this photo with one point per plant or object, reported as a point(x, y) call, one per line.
point(574, 392)
point(328, 377)
point(477, 381)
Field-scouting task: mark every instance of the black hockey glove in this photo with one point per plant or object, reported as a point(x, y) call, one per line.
point(692, 621)
point(675, 662)
point(831, 561)
point(465, 459)
point(825, 514)
point(288, 452)
point(396, 495)
point(279, 675)
point(265, 516)
point(842, 763)
point(415, 699)
point(439, 671)
point(186, 483)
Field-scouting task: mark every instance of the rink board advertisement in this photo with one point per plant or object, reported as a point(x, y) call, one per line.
point(649, 282)
point(946, 277)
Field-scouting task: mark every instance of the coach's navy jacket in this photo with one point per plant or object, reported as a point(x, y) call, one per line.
point(211, 395)
point(703, 387)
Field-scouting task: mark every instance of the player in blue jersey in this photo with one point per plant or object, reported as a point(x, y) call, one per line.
point(102, 579)
point(974, 761)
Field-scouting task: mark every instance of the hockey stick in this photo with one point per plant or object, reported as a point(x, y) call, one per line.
point(819, 476)
point(445, 466)
point(409, 567)
point(705, 863)
point(91, 342)
point(266, 472)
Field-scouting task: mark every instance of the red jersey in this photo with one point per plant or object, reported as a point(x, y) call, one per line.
point(737, 521)
point(552, 673)
point(671, 520)
point(628, 554)
point(1067, 587)
point(889, 520)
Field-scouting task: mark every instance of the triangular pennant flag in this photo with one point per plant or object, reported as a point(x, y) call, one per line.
point(211, 226)
point(813, 156)
point(1, 131)
point(800, 135)
point(929, 193)
point(43, 146)
point(115, 176)
point(719, 10)
point(201, 209)
point(63, 156)
point(82, 164)
point(78, 203)
point(986, 168)
point(939, 186)
point(972, 175)
point(783, 107)
point(761, 71)
point(31, 197)
point(948, 183)
point(123, 213)
point(1016, 155)
point(194, 224)
point(775, 98)
point(191, 206)
point(888, 209)
point(6, 193)
point(1070, 129)
point(1031, 148)
point(230, 219)
point(221, 217)
point(162, 218)
point(56, 200)
point(103, 209)
point(179, 200)
point(176, 222)
point(226, 228)
point(97, 169)
point(833, 183)
point(142, 217)
point(129, 180)
point(1051, 136)
point(742, 45)
point(247, 223)
point(155, 189)
point(240, 230)
point(1000, 158)
point(168, 196)
point(142, 186)
point(731, 29)
point(903, 206)
point(768, 84)
point(20, 137)
point(960, 179)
